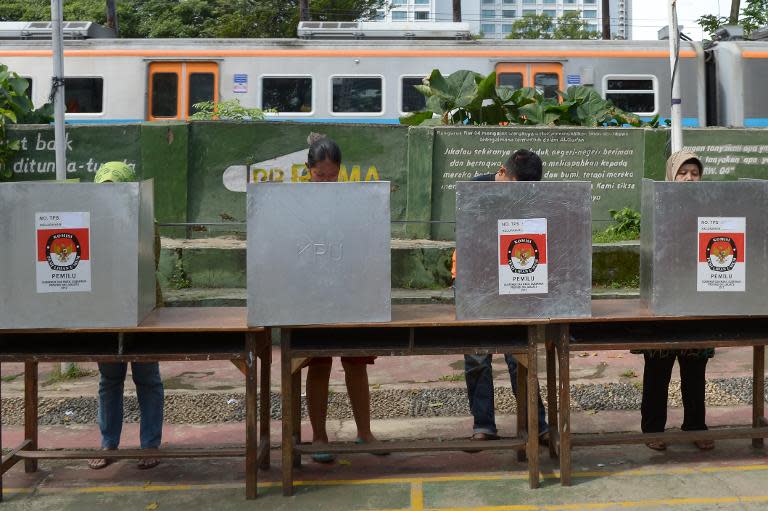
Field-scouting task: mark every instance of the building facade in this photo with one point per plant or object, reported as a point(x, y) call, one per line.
point(493, 18)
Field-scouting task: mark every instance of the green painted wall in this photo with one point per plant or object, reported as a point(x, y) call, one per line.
point(164, 151)
point(729, 153)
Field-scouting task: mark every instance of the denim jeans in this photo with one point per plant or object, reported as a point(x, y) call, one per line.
point(479, 377)
point(149, 391)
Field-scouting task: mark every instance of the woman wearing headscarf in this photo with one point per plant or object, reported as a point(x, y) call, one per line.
point(682, 166)
point(146, 375)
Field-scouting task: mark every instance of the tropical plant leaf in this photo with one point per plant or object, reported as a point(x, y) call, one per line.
point(416, 118)
point(538, 114)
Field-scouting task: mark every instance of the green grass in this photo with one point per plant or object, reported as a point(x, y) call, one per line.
point(452, 377)
point(74, 372)
point(612, 237)
point(629, 373)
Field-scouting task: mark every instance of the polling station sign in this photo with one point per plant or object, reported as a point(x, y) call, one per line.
point(523, 256)
point(721, 254)
point(63, 252)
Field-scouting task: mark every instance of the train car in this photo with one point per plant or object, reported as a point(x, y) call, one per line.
point(129, 80)
point(737, 71)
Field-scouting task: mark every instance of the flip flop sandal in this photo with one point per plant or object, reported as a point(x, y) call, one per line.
point(361, 441)
point(147, 463)
point(99, 463)
point(482, 437)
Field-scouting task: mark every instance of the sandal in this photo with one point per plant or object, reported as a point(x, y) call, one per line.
point(147, 463)
point(657, 446)
point(99, 463)
point(705, 445)
point(361, 441)
point(323, 457)
point(482, 437)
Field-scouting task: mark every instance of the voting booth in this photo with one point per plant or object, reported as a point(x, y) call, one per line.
point(318, 253)
point(703, 248)
point(523, 250)
point(76, 254)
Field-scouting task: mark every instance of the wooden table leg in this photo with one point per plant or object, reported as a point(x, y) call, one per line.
point(563, 354)
point(286, 389)
point(251, 417)
point(296, 412)
point(30, 411)
point(758, 392)
point(534, 335)
point(522, 406)
point(1, 441)
point(265, 403)
point(552, 418)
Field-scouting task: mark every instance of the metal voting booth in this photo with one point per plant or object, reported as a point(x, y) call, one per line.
point(318, 253)
point(76, 254)
point(523, 250)
point(704, 249)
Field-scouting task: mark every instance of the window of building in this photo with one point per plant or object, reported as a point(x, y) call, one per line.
point(508, 13)
point(589, 14)
point(636, 94)
point(530, 1)
point(529, 12)
point(399, 15)
point(488, 28)
point(550, 1)
point(569, 2)
point(398, 2)
point(590, 2)
point(411, 99)
point(552, 13)
point(510, 2)
point(488, 2)
point(84, 95)
point(290, 94)
point(361, 94)
point(421, 2)
point(506, 29)
point(488, 14)
point(592, 26)
point(421, 15)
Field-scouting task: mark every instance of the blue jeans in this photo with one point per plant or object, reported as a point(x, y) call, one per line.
point(479, 377)
point(149, 391)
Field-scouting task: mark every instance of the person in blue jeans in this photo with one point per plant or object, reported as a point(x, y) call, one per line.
point(146, 375)
point(522, 165)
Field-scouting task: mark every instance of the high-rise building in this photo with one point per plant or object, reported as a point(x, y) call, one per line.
point(494, 18)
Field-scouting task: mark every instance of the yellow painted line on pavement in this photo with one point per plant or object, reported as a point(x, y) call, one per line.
point(417, 496)
point(628, 504)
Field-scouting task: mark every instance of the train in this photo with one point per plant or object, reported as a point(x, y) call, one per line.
point(370, 80)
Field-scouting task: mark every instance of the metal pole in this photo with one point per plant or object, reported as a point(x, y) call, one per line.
point(303, 10)
point(606, 19)
point(457, 11)
point(58, 83)
point(677, 102)
point(112, 16)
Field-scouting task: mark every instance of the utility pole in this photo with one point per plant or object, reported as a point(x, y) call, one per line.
point(677, 102)
point(606, 19)
point(112, 16)
point(457, 11)
point(733, 19)
point(303, 10)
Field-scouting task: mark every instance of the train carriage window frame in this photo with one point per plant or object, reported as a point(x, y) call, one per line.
point(653, 91)
point(401, 95)
point(379, 113)
point(104, 97)
point(280, 113)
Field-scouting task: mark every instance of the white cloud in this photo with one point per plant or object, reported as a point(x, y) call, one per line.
point(648, 16)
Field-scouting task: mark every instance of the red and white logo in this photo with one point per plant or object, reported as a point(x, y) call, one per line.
point(523, 256)
point(722, 254)
point(63, 252)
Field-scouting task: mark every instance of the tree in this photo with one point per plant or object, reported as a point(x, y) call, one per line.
point(456, 10)
point(734, 17)
point(754, 15)
point(540, 26)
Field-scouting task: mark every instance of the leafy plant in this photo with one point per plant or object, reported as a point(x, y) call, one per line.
point(466, 97)
point(753, 16)
point(16, 107)
point(230, 110)
point(541, 26)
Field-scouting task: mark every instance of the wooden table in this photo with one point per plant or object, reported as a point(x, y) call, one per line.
point(414, 330)
point(625, 325)
point(168, 334)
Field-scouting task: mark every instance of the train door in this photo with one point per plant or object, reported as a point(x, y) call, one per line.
point(547, 78)
point(175, 87)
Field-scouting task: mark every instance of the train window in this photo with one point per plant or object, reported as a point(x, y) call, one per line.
point(357, 94)
point(547, 84)
point(287, 94)
point(512, 80)
point(201, 88)
point(165, 95)
point(632, 94)
point(412, 99)
point(84, 95)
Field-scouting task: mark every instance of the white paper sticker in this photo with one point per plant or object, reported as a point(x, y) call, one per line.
point(721, 254)
point(63, 252)
point(522, 249)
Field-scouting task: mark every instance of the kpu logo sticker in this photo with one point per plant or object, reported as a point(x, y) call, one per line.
point(523, 256)
point(721, 258)
point(63, 252)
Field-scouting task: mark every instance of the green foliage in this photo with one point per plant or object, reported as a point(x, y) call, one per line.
point(179, 278)
point(230, 110)
point(196, 18)
point(16, 107)
point(540, 26)
point(753, 16)
point(466, 97)
point(627, 227)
